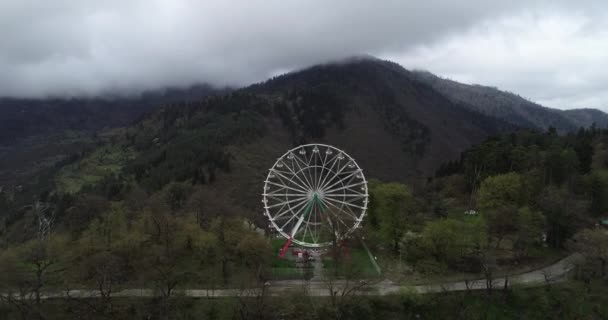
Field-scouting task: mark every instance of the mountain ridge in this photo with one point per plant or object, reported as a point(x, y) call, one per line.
point(399, 127)
point(512, 107)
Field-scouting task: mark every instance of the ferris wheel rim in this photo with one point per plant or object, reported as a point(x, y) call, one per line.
point(305, 190)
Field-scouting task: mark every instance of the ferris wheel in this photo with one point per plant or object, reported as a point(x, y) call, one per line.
point(315, 194)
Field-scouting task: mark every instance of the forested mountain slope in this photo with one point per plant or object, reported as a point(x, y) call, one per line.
point(512, 107)
point(22, 118)
point(397, 128)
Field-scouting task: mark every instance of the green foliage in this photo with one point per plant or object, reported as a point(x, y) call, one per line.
point(564, 214)
point(393, 209)
point(188, 142)
point(598, 186)
point(454, 243)
point(593, 245)
point(559, 158)
point(530, 227)
point(176, 194)
point(102, 163)
point(500, 191)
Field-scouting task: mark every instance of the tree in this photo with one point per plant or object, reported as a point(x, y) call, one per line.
point(176, 194)
point(530, 226)
point(15, 284)
point(498, 199)
point(593, 245)
point(162, 253)
point(105, 254)
point(500, 191)
point(500, 222)
point(86, 208)
point(393, 209)
point(27, 269)
point(564, 214)
point(457, 243)
point(598, 186)
point(229, 233)
point(255, 254)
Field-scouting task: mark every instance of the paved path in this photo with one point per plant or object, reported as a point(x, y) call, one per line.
point(554, 273)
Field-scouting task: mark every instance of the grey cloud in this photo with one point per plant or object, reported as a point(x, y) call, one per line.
point(89, 47)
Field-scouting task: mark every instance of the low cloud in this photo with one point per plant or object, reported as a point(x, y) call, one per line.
point(551, 52)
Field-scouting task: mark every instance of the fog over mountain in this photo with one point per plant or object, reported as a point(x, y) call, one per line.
point(554, 53)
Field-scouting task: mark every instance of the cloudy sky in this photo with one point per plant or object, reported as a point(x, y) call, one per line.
point(552, 52)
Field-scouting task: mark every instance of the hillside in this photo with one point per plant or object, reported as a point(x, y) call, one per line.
point(397, 128)
point(23, 118)
point(398, 124)
point(587, 117)
point(511, 107)
point(172, 202)
point(39, 136)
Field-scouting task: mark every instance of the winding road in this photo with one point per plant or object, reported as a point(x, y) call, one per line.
point(556, 272)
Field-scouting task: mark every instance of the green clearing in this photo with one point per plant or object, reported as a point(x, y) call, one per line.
point(93, 168)
point(357, 262)
point(355, 258)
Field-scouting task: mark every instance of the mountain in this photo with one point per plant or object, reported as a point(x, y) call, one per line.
point(588, 117)
point(38, 136)
point(511, 107)
point(397, 128)
point(397, 124)
point(22, 118)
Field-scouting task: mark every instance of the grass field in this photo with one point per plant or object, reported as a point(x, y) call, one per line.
point(356, 258)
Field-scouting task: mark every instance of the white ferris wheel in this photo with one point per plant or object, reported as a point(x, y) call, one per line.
point(315, 194)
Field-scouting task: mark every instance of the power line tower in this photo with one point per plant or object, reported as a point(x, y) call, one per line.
point(45, 213)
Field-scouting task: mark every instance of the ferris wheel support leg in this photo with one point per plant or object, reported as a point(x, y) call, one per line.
point(344, 249)
point(284, 247)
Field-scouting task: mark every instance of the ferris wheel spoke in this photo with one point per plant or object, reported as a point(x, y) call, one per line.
point(352, 200)
point(315, 235)
point(289, 179)
point(324, 159)
point(295, 214)
point(312, 156)
point(346, 203)
point(272, 197)
point(284, 186)
point(301, 218)
point(337, 174)
point(349, 199)
point(358, 218)
point(346, 187)
point(350, 179)
point(280, 213)
point(275, 217)
point(307, 172)
point(346, 195)
point(316, 184)
point(286, 202)
point(341, 209)
point(339, 220)
point(276, 202)
point(328, 187)
point(307, 227)
point(301, 170)
point(293, 172)
point(330, 171)
point(273, 194)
